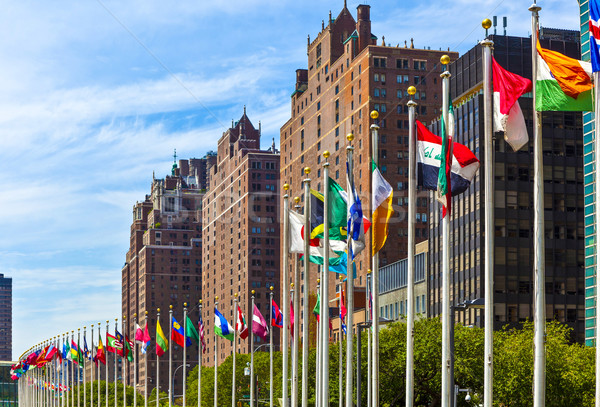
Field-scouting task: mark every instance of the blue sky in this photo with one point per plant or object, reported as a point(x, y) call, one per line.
point(95, 95)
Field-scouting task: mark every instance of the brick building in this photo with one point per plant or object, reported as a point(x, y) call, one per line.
point(348, 76)
point(163, 266)
point(240, 250)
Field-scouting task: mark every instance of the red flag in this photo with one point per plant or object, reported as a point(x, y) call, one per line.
point(292, 317)
point(240, 325)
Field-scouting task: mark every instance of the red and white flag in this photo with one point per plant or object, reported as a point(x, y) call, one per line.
point(240, 325)
point(508, 117)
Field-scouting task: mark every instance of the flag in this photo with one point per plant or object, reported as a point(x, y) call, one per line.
point(76, 355)
point(146, 339)
point(222, 327)
point(429, 150)
point(317, 310)
point(594, 28)
point(86, 351)
point(292, 317)
point(382, 208)
point(343, 311)
point(259, 325)
point(508, 117)
point(100, 355)
point(162, 344)
point(563, 83)
point(66, 352)
point(120, 339)
point(444, 184)
point(51, 352)
point(356, 229)
point(128, 349)
point(139, 335)
point(190, 330)
point(201, 332)
point(276, 315)
point(178, 336)
point(113, 344)
point(240, 325)
point(296, 238)
point(337, 212)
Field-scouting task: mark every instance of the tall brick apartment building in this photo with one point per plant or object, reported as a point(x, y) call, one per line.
point(164, 263)
point(348, 76)
point(240, 250)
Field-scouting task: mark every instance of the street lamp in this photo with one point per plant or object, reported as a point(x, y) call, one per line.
point(359, 328)
point(478, 303)
point(173, 383)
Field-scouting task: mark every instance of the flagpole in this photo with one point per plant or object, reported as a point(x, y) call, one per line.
point(79, 366)
point(349, 284)
point(199, 354)
point(369, 335)
point(296, 306)
point(216, 358)
point(72, 370)
point(135, 363)
point(184, 350)
point(235, 329)
point(145, 363)
point(99, 372)
point(92, 367)
point(318, 361)
point(340, 346)
point(106, 370)
point(305, 310)
point(446, 328)
point(284, 298)
point(252, 356)
point(157, 360)
point(325, 287)
point(171, 355)
point(539, 364)
point(375, 278)
point(271, 355)
point(596, 77)
point(124, 360)
point(410, 297)
point(488, 182)
point(116, 389)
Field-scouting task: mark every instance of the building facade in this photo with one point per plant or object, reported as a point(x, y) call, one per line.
point(5, 318)
point(163, 265)
point(513, 199)
point(349, 75)
point(240, 250)
point(589, 173)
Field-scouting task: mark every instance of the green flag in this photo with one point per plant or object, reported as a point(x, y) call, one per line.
point(128, 350)
point(443, 188)
point(190, 330)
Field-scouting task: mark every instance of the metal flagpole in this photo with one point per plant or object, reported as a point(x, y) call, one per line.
point(79, 367)
point(488, 183)
point(284, 298)
point(171, 356)
point(369, 335)
point(106, 369)
point(252, 383)
point(157, 384)
point(375, 278)
point(306, 290)
point(185, 338)
point(124, 360)
point(349, 283)
point(596, 78)
point(72, 371)
point(340, 350)
point(99, 371)
point(325, 288)
point(92, 366)
point(116, 389)
point(135, 383)
point(199, 353)
point(410, 297)
point(296, 306)
point(539, 364)
point(145, 363)
point(319, 382)
point(446, 385)
point(271, 386)
point(235, 329)
point(216, 359)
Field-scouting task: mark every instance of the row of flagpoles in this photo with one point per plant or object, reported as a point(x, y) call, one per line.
point(444, 166)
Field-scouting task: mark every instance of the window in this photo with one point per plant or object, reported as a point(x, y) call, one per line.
point(376, 77)
point(376, 92)
point(402, 63)
point(379, 62)
point(337, 89)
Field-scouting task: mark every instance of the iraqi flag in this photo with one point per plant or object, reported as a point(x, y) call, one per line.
point(508, 117)
point(429, 154)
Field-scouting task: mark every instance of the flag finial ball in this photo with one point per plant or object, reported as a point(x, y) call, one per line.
point(271, 288)
point(158, 310)
point(170, 307)
point(235, 295)
point(185, 304)
point(292, 285)
point(286, 187)
point(145, 312)
point(296, 200)
point(445, 59)
point(411, 90)
point(487, 23)
point(253, 292)
point(374, 114)
point(350, 137)
point(326, 154)
point(318, 281)
point(216, 298)
point(369, 271)
point(341, 277)
point(135, 315)
point(307, 170)
point(200, 302)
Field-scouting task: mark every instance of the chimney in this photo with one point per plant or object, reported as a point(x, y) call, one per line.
point(363, 26)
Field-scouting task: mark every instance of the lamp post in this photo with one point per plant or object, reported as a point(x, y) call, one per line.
point(479, 303)
point(173, 381)
point(360, 327)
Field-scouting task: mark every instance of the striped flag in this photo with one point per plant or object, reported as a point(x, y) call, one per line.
point(343, 311)
point(594, 27)
point(241, 325)
point(382, 196)
point(202, 340)
point(444, 184)
point(222, 326)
